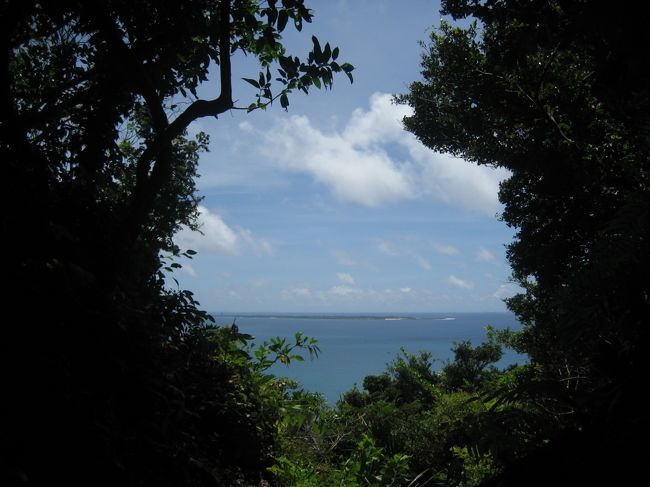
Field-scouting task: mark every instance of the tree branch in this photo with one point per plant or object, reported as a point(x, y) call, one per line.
point(201, 108)
point(147, 89)
point(147, 185)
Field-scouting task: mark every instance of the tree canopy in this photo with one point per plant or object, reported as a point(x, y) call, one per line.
point(109, 375)
point(557, 93)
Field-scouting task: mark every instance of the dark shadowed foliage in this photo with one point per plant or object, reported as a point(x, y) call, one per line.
point(558, 93)
point(109, 377)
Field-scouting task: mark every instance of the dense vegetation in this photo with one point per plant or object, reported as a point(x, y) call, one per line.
point(110, 377)
point(410, 426)
point(557, 92)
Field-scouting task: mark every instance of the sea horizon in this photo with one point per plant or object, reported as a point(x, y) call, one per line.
point(354, 345)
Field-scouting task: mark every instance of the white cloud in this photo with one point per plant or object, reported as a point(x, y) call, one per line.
point(380, 125)
point(446, 249)
point(458, 282)
point(507, 291)
point(259, 246)
point(189, 270)
point(388, 249)
point(357, 164)
point(345, 278)
point(302, 291)
point(215, 236)
point(484, 255)
point(454, 181)
point(367, 177)
point(405, 290)
point(422, 262)
point(346, 291)
point(297, 294)
point(246, 127)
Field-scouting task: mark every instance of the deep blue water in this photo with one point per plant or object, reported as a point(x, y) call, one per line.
point(355, 345)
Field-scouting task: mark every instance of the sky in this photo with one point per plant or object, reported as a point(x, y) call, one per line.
point(331, 206)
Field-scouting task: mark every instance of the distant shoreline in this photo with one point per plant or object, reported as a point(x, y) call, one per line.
point(449, 316)
point(317, 316)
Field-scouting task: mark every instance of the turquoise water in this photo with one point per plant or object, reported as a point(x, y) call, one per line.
point(355, 345)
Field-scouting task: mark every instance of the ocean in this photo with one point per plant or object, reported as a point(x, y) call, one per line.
point(356, 345)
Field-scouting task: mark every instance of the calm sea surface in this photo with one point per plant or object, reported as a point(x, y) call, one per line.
point(355, 345)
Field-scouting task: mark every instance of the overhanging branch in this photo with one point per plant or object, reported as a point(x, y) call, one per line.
point(201, 108)
point(148, 187)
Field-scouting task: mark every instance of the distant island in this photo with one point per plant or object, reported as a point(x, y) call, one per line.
point(275, 316)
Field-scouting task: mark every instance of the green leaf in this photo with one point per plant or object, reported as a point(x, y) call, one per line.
point(316, 82)
point(272, 15)
point(327, 53)
point(284, 100)
point(285, 62)
point(335, 53)
point(283, 17)
point(253, 82)
point(318, 53)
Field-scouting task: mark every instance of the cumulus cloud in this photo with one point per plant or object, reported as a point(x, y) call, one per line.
point(458, 282)
point(484, 255)
point(358, 163)
point(380, 125)
point(454, 181)
point(367, 177)
point(215, 236)
point(345, 278)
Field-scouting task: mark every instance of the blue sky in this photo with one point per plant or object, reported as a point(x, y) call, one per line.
point(332, 206)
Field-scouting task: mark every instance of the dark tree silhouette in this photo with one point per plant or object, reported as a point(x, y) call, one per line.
point(108, 376)
point(557, 92)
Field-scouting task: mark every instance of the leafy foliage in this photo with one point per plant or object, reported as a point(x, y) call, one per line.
point(471, 366)
point(557, 93)
point(409, 427)
point(110, 376)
